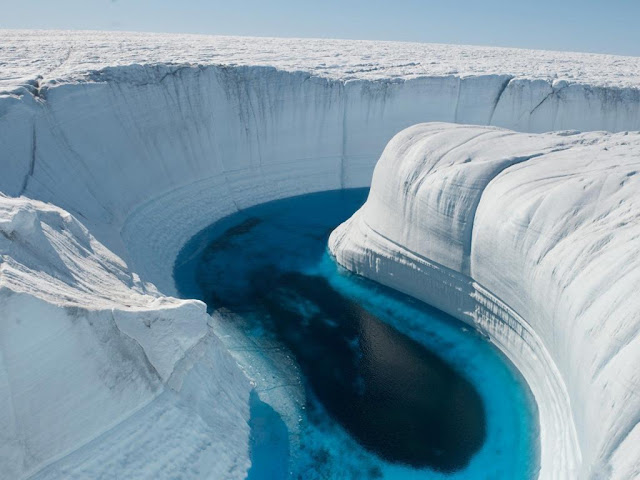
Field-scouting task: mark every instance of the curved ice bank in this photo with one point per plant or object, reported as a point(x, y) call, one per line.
point(145, 156)
point(535, 240)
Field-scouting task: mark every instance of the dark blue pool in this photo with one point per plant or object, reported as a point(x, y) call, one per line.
point(408, 390)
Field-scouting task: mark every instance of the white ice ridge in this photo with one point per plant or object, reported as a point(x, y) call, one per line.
point(535, 240)
point(85, 344)
point(99, 135)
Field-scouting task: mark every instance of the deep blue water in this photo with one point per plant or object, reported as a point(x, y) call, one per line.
point(394, 388)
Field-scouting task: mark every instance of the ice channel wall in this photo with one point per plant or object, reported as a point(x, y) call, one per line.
point(146, 156)
point(533, 239)
point(115, 145)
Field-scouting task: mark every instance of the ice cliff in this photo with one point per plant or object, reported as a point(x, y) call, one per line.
point(116, 148)
point(535, 240)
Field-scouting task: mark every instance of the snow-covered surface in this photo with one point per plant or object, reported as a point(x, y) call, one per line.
point(535, 239)
point(137, 142)
point(25, 54)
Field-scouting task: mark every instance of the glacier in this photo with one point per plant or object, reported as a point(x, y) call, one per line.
point(117, 148)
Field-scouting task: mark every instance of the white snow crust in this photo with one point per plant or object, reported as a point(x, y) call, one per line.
point(116, 148)
point(68, 55)
point(535, 240)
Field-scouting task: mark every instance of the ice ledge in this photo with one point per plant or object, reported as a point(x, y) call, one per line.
point(553, 259)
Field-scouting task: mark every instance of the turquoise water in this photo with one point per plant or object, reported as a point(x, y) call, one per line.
point(393, 388)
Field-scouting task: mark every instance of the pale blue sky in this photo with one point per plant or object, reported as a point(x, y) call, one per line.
point(578, 25)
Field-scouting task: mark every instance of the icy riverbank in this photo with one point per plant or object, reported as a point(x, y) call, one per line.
point(145, 156)
point(533, 239)
point(85, 345)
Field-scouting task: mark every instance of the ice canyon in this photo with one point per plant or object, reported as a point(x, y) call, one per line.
point(505, 193)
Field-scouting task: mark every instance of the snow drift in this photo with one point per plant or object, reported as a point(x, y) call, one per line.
point(109, 167)
point(533, 239)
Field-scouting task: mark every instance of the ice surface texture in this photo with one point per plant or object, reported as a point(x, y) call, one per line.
point(145, 156)
point(535, 240)
point(65, 55)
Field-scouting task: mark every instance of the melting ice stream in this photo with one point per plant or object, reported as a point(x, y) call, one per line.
point(352, 380)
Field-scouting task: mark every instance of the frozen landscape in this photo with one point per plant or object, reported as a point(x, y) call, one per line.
point(116, 149)
point(535, 237)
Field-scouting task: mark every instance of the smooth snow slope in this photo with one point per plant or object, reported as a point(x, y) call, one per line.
point(534, 239)
point(146, 139)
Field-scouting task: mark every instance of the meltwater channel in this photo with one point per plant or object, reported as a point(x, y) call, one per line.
point(382, 386)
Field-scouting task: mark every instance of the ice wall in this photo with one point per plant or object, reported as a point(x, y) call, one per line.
point(123, 139)
point(534, 240)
